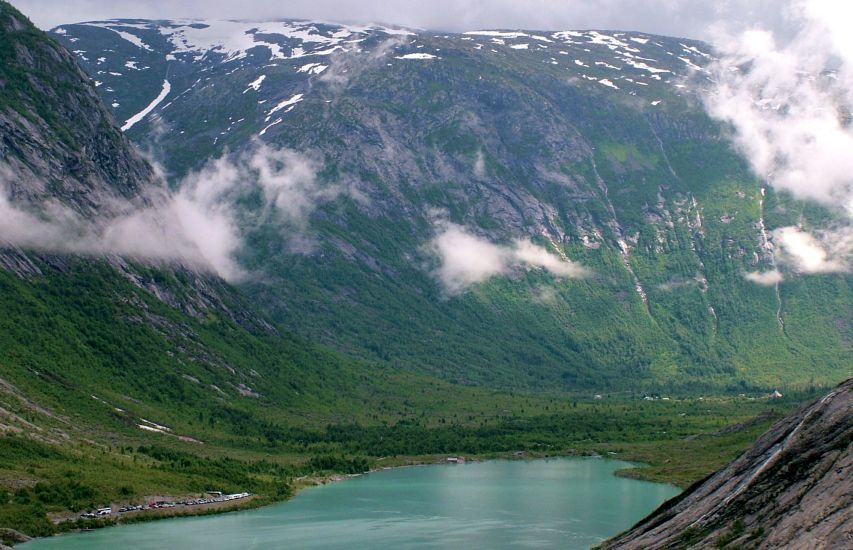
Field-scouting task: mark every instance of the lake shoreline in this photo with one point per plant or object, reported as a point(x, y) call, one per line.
point(252, 503)
point(306, 482)
point(511, 474)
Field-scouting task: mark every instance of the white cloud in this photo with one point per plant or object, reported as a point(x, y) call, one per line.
point(466, 259)
point(192, 227)
point(765, 278)
point(288, 180)
point(480, 165)
point(19, 227)
point(809, 254)
point(196, 226)
point(526, 253)
point(789, 100)
point(786, 109)
point(346, 66)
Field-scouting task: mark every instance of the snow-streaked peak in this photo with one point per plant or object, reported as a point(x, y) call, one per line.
point(278, 64)
point(232, 40)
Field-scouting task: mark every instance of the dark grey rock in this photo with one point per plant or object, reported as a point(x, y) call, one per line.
point(792, 489)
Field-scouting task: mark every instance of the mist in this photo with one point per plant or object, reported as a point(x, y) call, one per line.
point(466, 259)
point(197, 226)
point(347, 66)
point(765, 278)
point(788, 100)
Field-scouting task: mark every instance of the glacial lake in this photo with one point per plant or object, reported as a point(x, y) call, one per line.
point(567, 503)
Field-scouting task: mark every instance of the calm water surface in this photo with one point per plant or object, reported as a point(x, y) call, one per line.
point(568, 503)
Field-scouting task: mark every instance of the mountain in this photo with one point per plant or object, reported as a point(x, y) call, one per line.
point(442, 184)
point(146, 343)
point(92, 342)
point(125, 376)
point(791, 489)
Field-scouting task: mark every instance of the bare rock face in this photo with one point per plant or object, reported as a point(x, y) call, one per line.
point(792, 489)
point(57, 140)
point(11, 536)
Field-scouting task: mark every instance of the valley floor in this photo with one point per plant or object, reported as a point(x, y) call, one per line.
point(44, 488)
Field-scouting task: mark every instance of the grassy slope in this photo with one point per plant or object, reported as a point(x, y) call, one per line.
point(85, 341)
point(74, 349)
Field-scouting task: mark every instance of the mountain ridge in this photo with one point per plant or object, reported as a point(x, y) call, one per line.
point(37, 76)
point(591, 146)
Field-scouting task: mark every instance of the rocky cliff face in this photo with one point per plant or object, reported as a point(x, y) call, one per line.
point(57, 141)
point(792, 489)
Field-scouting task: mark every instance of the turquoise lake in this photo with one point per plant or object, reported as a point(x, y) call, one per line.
point(567, 503)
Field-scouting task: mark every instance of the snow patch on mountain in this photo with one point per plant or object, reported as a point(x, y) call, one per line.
point(645, 67)
point(497, 34)
point(286, 103)
point(167, 87)
point(132, 38)
point(312, 68)
point(267, 127)
point(255, 84)
point(690, 64)
point(418, 56)
point(230, 38)
point(235, 39)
